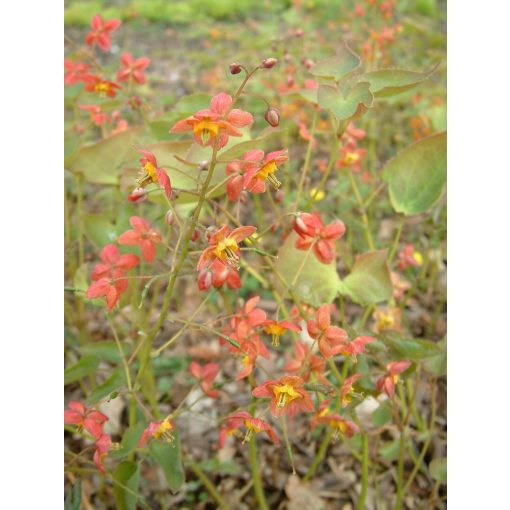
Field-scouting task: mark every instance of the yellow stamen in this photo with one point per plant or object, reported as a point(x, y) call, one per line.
point(164, 429)
point(267, 172)
point(206, 129)
point(418, 257)
point(351, 157)
point(285, 393)
point(227, 249)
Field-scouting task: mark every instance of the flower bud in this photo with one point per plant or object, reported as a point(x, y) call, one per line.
point(243, 197)
point(290, 80)
point(195, 235)
point(298, 32)
point(308, 63)
point(235, 68)
point(170, 218)
point(138, 195)
point(204, 280)
point(272, 117)
point(287, 57)
point(267, 63)
point(203, 165)
point(279, 196)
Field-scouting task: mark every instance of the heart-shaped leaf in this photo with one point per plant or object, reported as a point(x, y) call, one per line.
point(128, 474)
point(168, 456)
point(369, 281)
point(316, 283)
point(339, 66)
point(389, 82)
point(346, 105)
point(438, 469)
point(102, 162)
point(417, 175)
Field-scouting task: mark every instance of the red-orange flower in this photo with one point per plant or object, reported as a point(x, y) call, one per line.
point(357, 346)
point(338, 424)
point(102, 446)
point(287, 394)
point(75, 72)
point(147, 238)
point(277, 329)
point(90, 419)
point(100, 33)
point(205, 375)
point(387, 383)
point(112, 261)
point(150, 172)
point(157, 429)
point(314, 234)
point(224, 246)
point(97, 116)
point(347, 390)
point(408, 257)
point(306, 363)
point(132, 69)
point(253, 426)
point(111, 287)
point(256, 175)
point(217, 122)
point(237, 169)
point(330, 339)
point(102, 87)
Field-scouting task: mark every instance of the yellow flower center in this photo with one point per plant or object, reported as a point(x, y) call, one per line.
point(418, 257)
point(267, 172)
point(386, 321)
point(351, 157)
point(102, 87)
point(227, 249)
point(285, 394)
point(317, 194)
point(164, 430)
point(206, 128)
point(275, 330)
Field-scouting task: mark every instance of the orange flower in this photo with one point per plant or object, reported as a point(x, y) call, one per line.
point(224, 246)
point(217, 122)
point(394, 369)
point(287, 395)
point(276, 329)
point(330, 339)
point(100, 86)
point(158, 429)
point(253, 426)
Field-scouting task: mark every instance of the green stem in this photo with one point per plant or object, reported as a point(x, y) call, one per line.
point(145, 355)
point(396, 240)
point(364, 471)
point(307, 159)
point(359, 200)
point(319, 456)
point(208, 484)
point(256, 476)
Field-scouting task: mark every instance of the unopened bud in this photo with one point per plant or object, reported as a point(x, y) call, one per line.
point(279, 196)
point(195, 235)
point(204, 280)
point(298, 32)
point(170, 218)
point(203, 165)
point(308, 63)
point(243, 197)
point(235, 68)
point(272, 117)
point(287, 57)
point(267, 63)
point(138, 195)
point(290, 80)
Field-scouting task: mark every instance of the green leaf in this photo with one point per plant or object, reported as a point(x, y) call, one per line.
point(346, 104)
point(113, 383)
point(99, 230)
point(417, 175)
point(381, 416)
point(369, 281)
point(102, 162)
point(389, 82)
point(73, 498)
point(437, 364)
point(106, 350)
point(128, 474)
point(129, 441)
point(85, 366)
point(316, 284)
point(309, 95)
point(168, 456)
point(389, 451)
point(438, 469)
point(80, 277)
point(414, 350)
point(339, 66)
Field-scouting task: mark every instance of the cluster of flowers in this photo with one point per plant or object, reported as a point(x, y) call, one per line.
point(109, 278)
point(350, 154)
point(131, 71)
